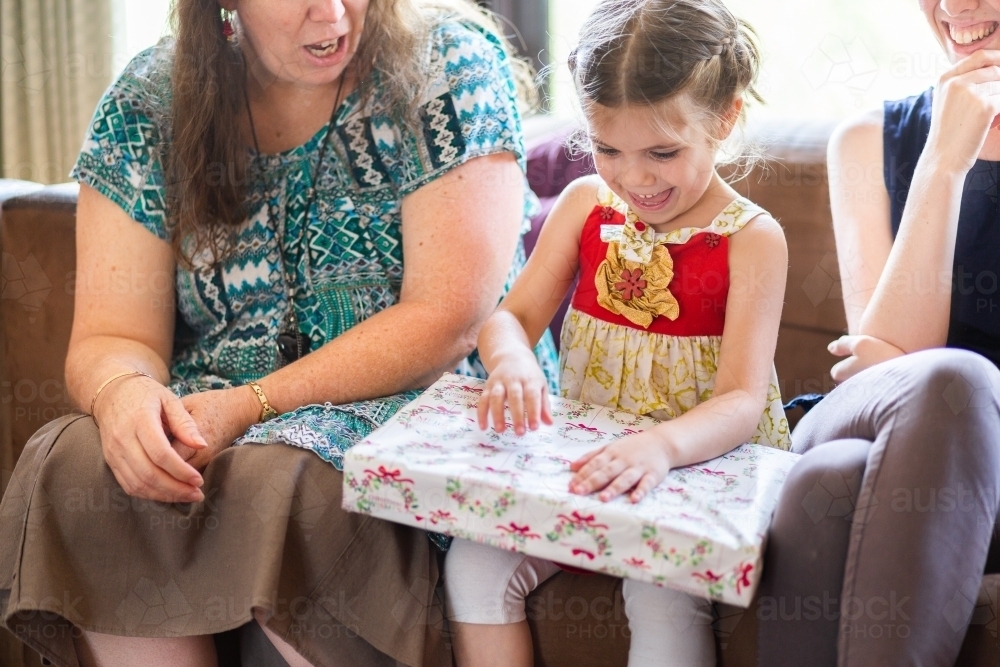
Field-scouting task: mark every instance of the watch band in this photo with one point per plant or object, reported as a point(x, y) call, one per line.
point(266, 411)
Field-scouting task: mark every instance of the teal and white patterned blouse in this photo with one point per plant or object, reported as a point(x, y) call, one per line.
point(348, 260)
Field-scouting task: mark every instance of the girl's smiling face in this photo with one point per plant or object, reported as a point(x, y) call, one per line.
point(964, 26)
point(660, 168)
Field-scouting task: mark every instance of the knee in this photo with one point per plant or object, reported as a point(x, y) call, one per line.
point(824, 483)
point(487, 586)
point(967, 383)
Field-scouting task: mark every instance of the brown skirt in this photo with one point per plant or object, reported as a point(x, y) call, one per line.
point(77, 553)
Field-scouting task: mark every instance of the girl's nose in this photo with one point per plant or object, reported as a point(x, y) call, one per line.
point(327, 11)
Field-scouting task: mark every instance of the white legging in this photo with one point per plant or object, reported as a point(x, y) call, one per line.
point(488, 586)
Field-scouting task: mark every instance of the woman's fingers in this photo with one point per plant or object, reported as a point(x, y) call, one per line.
point(843, 346)
point(978, 60)
point(846, 369)
point(181, 424)
point(145, 480)
point(620, 484)
point(156, 446)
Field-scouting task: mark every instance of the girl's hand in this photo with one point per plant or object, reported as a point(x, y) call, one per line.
point(637, 462)
point(221, 416)
point(966, 107)
point(137, 417)
point(862, 352)
point(519, 383)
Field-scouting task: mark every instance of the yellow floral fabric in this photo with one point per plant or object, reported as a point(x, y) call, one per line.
point(651, 299)
point(650, 374)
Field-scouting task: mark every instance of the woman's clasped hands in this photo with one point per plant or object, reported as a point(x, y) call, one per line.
point(155, 442)
point(633, 465)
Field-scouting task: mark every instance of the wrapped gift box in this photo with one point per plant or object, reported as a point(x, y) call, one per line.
point(701, 530)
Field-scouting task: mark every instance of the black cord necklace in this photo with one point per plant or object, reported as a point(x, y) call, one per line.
point(292, 343)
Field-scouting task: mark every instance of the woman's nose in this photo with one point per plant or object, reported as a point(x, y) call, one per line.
point(327, 11)
point(957, 7)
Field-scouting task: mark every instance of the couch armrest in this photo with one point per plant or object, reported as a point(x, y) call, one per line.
point(37, 234)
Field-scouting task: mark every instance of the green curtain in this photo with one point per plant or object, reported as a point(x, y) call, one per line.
point(57, 59)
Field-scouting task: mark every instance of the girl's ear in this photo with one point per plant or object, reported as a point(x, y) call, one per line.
point(228, 5)
point(730, 118)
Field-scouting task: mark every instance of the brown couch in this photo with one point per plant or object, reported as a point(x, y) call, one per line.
point(577, 621)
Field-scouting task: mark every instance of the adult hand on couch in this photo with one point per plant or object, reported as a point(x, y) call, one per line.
point(861, 352)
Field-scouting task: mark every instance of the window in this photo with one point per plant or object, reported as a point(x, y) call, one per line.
point(822, 58)
point(138, 25)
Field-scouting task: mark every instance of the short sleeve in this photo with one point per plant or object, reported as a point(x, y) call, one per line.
point(121, 154)
point(470, 109)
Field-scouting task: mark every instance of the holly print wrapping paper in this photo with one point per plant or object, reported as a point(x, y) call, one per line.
point(702, 530)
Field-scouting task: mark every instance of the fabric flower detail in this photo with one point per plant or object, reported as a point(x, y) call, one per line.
point(607, 214)
point(712, 240)
point(632, 284)
point(636, 291)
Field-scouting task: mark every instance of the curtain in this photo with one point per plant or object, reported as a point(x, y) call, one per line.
point(57, 60)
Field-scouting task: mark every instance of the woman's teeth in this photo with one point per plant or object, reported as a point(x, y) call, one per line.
point(323, 48)
point(971, 34)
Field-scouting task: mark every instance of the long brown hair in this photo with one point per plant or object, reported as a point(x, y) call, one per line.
point(206, 165)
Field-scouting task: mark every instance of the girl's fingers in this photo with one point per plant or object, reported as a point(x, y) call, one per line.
point(546, 406)
point(158, 451)
point(483, 409)
point(533, 405)
point(599, 477)
point(646, 484)
point(621, 484)
point(497, 397)
point(515, 401)
point(575, 466)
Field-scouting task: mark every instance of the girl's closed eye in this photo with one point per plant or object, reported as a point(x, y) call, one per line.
point(663, 156)
point(606, 150)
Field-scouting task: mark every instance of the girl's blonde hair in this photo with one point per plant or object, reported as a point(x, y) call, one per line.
point(647, 52)
point(207, 161)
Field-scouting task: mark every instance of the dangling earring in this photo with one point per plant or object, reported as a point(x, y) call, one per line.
point(228, 31)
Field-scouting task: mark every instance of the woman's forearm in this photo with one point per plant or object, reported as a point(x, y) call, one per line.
point(912, 302)
point(93, 360)
point(406, 346)
point(712, 428)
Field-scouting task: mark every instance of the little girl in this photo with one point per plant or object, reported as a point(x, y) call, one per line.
point(676, 313)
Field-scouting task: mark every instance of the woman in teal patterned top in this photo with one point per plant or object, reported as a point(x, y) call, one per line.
point(366, 133)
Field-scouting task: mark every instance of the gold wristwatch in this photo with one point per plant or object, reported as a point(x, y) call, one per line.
point(266, 411)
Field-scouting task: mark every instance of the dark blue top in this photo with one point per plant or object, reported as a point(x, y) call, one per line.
point(975, 300)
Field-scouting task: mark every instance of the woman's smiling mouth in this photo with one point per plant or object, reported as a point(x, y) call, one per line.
point(970, 34)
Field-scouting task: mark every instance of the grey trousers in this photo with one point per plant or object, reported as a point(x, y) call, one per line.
point(884, 527)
